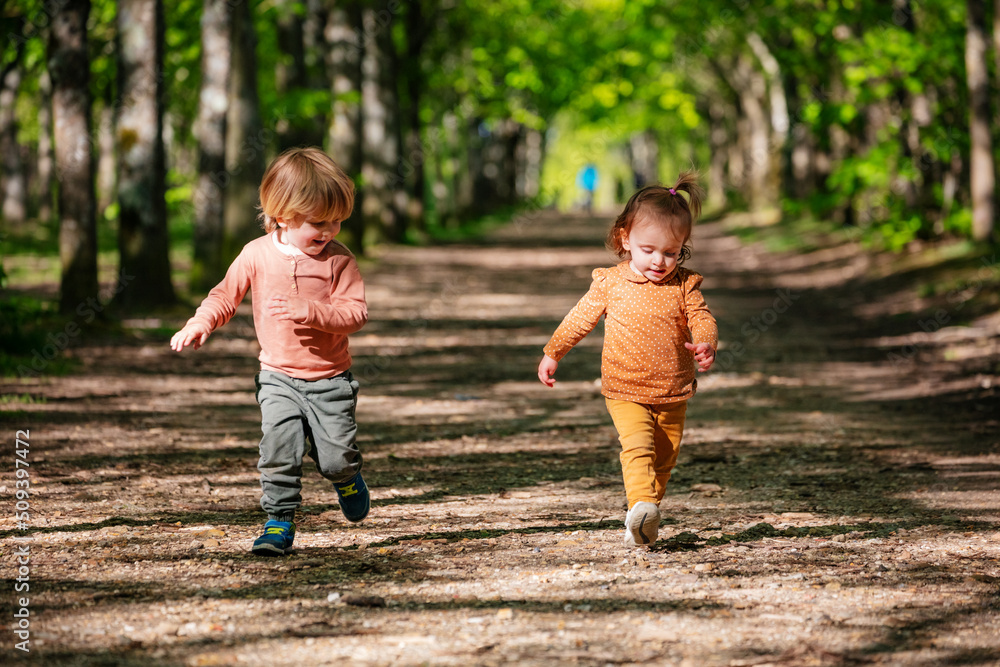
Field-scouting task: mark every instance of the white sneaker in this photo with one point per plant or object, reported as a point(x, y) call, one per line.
point(641, 525)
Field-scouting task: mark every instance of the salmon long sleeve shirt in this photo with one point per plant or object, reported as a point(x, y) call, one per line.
point(646, 325)
point(315, 347)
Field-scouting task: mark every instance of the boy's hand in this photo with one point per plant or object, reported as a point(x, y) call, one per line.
point(288, 308)
point(546, 369)
point(704, 354)
point(194, 335)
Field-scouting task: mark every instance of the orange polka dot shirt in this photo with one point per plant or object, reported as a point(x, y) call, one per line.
point(646, 325)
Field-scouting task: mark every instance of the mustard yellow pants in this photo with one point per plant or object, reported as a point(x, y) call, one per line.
point(651, 439)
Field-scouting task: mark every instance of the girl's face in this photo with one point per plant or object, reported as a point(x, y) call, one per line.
point(308, 236)
point(654, 247)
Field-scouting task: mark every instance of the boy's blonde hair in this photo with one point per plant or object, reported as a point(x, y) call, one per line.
point(663, 204)
point(305, 182)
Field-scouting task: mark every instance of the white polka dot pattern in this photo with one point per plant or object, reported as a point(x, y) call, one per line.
point(646, 325)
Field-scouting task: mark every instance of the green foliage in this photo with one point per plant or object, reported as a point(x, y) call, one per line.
point(102, 32)
point(21, 329)
point(182, 62)
point(591, 74)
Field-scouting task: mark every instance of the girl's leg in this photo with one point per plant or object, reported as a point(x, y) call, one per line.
point(667, 434)
point(635, 426)
point(282, 445)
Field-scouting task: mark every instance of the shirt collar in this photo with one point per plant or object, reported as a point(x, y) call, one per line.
point(284, 248)
point(634, 277)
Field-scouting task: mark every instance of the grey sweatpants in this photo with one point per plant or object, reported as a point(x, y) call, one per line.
point(299, 417)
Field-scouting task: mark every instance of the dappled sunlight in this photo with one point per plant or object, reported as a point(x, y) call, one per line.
point(829, 504)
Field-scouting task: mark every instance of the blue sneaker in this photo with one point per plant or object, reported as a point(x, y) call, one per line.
point(276, 540)
point(354, 498)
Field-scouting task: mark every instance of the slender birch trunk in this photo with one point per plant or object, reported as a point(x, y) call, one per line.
point(69, 67)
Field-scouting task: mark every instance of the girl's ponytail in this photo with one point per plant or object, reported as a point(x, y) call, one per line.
point(688, 182)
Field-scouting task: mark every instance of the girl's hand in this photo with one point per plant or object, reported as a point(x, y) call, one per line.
point(546, 369)
point(194, 335)
point(704, 354)
point(288, 308)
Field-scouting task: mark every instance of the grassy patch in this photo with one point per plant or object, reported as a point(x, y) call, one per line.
point(791, 234)
point(21, 399)
point(438, 232)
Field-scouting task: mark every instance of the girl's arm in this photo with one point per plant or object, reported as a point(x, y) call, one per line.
point(579, 322)
point(701, 322)
point(547, 370)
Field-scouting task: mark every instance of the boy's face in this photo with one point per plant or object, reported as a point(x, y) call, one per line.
point(654, 249)
point(307, 235)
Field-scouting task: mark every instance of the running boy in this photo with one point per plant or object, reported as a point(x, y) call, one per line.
point(657, 326)
point(307, 297)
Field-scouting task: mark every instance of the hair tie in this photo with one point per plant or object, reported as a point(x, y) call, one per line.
point(672, 191)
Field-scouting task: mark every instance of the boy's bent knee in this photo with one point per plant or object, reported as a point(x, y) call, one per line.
point(340, 470)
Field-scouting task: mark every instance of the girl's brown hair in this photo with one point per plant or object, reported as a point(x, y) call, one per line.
point(304, 182)
point(665, 205)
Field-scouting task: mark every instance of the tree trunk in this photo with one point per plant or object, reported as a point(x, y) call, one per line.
point(917, 193)
point(842, 145)
point(346, 50)
point(69, 67)
point(801, 161)
point(496, 178)
point(529, 182)
point(379, 105)
point(644, 152)
point(718, 139)
point(981, 166)
point(15, 191)
point(313, 31)
point(870, 203)
point(448, 150)
point(778, 107)
point(800, 154)
point(996, 42)
point(511, 135)
point(467, 162)
point(46, 159)
point(736, 172)
point(485, 167)
point(292, 75)
point(246, 138)
point(751, 86)
point(209, 264)
point(142, 223)
point(107, 167)
point(442, 189)
point(414, 159)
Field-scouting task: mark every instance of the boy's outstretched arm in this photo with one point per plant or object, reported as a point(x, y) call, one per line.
point(194, 334)
point(546, 370)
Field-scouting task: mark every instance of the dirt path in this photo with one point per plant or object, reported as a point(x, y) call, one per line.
point(837, 500)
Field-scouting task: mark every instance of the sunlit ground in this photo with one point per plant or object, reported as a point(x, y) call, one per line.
point(834, 504)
